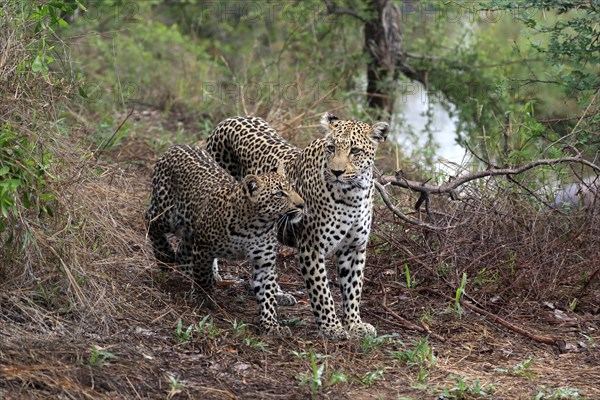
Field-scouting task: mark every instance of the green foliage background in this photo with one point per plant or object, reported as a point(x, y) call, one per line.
point(493, 64)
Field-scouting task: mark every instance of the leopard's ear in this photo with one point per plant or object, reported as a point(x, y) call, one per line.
point(329, 121)
point(379, 131)
point(252, 185)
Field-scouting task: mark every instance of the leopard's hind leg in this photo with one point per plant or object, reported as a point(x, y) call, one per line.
point(158, 228)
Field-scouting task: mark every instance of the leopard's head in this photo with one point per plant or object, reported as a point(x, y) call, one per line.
point(273, 197)
point(349, 150)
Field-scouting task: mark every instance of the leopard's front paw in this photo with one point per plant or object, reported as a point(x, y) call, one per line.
point(361, 330)
point(285, 299)
point(277, 330)
point(335, 332)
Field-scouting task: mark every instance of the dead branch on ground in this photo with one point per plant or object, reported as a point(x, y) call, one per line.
point(405, 323)
point(538, 338)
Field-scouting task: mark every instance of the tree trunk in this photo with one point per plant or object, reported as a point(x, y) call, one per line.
point(383, 47)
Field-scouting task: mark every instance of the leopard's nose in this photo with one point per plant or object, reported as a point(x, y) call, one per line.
point(300, 205)
point(337, 172)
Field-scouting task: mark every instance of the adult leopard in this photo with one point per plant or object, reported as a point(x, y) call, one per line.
point(334, 177)
point(217, 216)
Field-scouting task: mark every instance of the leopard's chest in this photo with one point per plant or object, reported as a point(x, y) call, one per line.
point(338, 222)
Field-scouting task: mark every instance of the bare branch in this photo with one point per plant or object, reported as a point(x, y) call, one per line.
point(450, 187)
point(404, 217)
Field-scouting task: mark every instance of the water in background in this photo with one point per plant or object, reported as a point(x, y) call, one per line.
point(419, 121)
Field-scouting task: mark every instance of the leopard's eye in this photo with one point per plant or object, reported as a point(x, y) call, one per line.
point(280, 193)
point(355, 150)
point(330, 148)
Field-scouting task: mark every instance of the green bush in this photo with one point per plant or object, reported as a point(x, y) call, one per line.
point(139, 61)
point(24, 164)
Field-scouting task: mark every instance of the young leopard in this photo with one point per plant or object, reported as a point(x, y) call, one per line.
point(334, 176)
point(216, 216)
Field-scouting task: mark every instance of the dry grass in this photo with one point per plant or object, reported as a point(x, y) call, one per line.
point(512, 248)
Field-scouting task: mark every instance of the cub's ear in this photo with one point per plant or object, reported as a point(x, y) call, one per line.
point(379, 131)
point(281, 168)
point(328, 121)
point(252, 185)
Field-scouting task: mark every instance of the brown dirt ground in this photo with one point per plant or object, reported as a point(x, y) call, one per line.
point(48, 355)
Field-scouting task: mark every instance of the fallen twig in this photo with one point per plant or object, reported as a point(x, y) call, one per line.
point(403, 321)
point(538, 338)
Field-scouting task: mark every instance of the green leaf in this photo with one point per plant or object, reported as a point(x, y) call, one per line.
point(10, 184)
point(82, 92)
point(38, 65)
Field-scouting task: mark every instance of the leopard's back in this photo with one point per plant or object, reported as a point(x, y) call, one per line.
point(249, 145)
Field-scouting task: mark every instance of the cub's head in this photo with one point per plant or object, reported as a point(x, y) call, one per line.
point(349, 150)
point(273, 197)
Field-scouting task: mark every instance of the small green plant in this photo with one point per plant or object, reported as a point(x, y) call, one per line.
point(485, 277)
point(314, 377)
point(443, 269)
point(421, 357)
point(336, 377)
point(183, 336)
point(207, 326)
point(521, 369)
point(558, 394)
point(409, 281)
point(427, 317)
point(45, 296)
point(255, 343)
point(465, 390)
point(368, 343)
point(175, 385)
point(203, 324)
point(239, 328)
point(573, 305)
point(459, 293)
point(370, 377)
point(99, 357)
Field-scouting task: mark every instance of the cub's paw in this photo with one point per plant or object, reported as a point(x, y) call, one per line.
point(361, 330)
point(285, 299)
point(277, 330)
point(336, 332)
